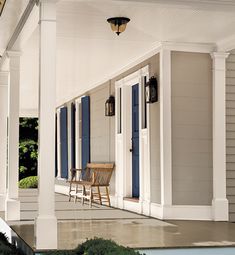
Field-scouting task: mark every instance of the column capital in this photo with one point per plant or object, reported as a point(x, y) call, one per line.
point(47, 10)
point(219, 60)
point(13, 54)
point(219, 55)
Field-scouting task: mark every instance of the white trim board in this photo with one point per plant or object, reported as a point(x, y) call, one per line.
point(61, 189)
point(181, 212)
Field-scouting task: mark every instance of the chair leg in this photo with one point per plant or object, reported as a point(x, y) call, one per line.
point(75, 196)
point(91, 197)
point(83, 194)
point(98, 191)
point(107, 194)
point(70, 187)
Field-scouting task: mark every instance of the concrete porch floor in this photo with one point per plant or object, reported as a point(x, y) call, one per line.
point(76, 223)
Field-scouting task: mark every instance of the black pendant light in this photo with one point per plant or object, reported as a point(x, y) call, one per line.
point(118, 24)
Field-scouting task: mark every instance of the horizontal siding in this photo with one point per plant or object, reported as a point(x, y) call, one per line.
point(230, 134)
point(191, 128)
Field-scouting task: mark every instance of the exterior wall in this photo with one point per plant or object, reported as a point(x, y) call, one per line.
point(192, 171)
point(102, 128)
point(230, 133)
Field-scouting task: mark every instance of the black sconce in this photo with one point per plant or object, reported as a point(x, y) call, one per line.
point(151, 90)
point(110, 106)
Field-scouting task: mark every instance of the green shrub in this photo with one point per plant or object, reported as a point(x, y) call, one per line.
point(29, 182)
point(28, 147)
point(98, 246)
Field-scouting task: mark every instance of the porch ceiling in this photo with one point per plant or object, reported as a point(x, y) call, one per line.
point(152, 20)
point(88, 51)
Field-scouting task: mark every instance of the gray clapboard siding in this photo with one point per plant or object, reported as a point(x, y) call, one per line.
point(230, 133)
point(191, 90)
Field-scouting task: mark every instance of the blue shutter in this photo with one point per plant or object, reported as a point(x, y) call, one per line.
point(64, 142)
point(73, 132)
point(85, 131)
point(135, 141)
point(56, 163)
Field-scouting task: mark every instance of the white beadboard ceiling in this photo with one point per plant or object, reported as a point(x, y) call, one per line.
point(208, 21)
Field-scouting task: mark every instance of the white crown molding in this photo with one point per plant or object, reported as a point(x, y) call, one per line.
point(226, 44)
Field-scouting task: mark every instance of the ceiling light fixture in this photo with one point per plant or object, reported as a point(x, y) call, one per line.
point(2, 4)
point(118, 24)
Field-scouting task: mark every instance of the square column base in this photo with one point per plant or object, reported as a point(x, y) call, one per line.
point(46, 232)
point(2, 202)
point(220, 209)
point(12, 209)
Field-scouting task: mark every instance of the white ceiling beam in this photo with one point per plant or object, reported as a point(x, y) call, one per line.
point(18, 29)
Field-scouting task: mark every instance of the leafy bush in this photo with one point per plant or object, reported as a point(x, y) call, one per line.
point(28, 147)
point(29, 182)
point(98, 246)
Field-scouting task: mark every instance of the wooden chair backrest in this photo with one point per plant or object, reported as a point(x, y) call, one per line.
point(100, 174)
point(73, 174)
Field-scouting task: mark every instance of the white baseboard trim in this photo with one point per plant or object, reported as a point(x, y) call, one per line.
point(61, 189)
point(220, 209)
point(156, 210)
point(181, 212)
point(173, 212)
point(146, 208)
point(132, 206)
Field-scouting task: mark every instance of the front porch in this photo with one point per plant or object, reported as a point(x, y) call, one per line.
point(76, 223)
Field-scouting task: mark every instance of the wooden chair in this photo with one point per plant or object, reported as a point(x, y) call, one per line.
point(95, 175)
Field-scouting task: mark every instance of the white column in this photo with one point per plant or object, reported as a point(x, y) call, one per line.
point(219, 202)
point(165, 128)
point(12, 203)
point(46, 222)
point(77, 134)
point(4, 77)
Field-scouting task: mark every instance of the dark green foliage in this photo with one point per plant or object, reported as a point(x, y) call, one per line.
point(28, 148)
point(6, 248)
point(98, 246)
point(29, 182)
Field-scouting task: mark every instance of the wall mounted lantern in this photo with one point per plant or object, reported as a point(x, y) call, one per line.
point(151, 90)
point(2, 4)
point(118, 24)
point(110, 106)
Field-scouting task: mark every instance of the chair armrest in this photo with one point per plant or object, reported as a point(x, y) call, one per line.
point(75, 169)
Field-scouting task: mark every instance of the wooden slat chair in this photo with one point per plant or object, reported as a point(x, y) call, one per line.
point(95, 175)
